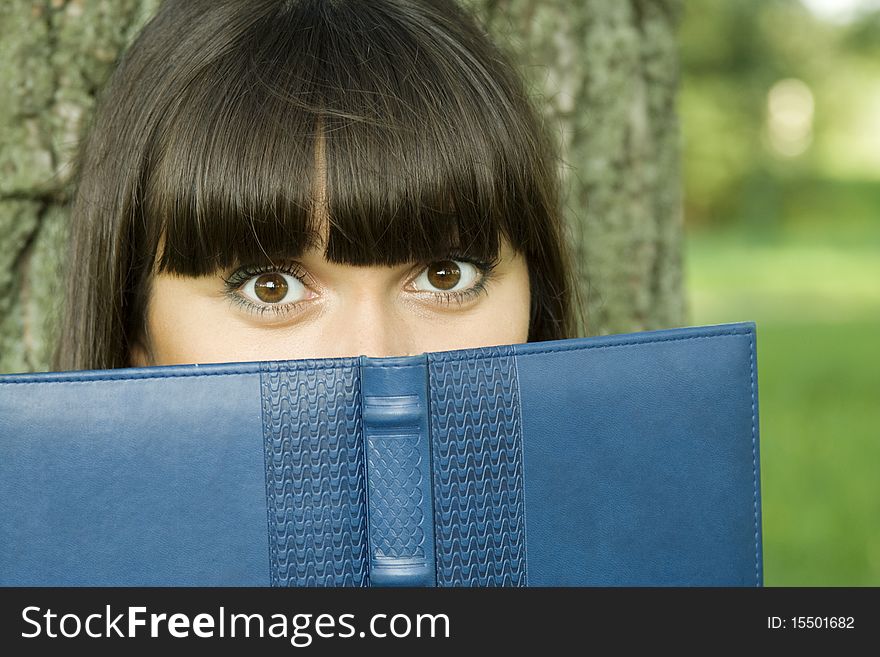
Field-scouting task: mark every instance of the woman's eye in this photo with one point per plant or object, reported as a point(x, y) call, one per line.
point(447, 276)
point(274, 288)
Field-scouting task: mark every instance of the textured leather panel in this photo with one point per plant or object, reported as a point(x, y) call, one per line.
point(478, 469)
point(315, 478)
point(396, 476)
point(641, 459)
point(401, 518)
point(154, 479)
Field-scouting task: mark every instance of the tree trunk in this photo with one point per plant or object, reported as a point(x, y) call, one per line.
point(605, 72)
point(54, 56)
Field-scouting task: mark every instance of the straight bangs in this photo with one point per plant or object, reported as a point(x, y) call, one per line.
point(371, 130)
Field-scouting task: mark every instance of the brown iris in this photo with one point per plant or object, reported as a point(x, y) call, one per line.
point(444, 274)
point(270, 288)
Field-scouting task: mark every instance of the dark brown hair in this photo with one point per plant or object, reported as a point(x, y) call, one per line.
point(204, 141)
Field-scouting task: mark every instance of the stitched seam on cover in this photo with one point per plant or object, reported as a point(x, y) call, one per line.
point(522, 462)
point(429, 424)
point(432, 404)
point(604, 346)
point(365, 473)
point(337, 366)
point(263, 417)
point(754, 456)
point(130, 378)
point(170, 376)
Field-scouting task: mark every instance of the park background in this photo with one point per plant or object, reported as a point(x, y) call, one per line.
point(722, 162)
point(780, 113)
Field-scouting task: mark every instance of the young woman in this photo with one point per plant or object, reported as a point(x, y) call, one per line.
point(312, 178)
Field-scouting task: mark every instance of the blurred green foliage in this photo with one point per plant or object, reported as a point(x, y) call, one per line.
point(788, 234)
point(732, 55)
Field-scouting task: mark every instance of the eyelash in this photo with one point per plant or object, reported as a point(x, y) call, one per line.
point(240, 276)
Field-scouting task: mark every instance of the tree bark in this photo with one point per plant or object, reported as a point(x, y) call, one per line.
point(54, 56)
point(606, 76)
point(605, 73)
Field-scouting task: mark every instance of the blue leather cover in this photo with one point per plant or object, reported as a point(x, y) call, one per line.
point(615, 460)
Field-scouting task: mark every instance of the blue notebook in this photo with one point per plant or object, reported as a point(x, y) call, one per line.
point(622, 460)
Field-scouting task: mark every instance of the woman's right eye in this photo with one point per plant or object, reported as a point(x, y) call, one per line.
point(274, 288)
point(279, 289)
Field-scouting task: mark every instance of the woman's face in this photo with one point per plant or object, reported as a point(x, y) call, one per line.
point(312, 308)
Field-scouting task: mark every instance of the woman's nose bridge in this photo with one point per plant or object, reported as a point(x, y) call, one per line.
point(368, 325)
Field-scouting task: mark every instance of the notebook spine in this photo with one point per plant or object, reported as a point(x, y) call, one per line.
point(399, 487)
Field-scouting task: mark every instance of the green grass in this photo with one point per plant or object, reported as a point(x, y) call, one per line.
point(790, 282)
point(819, 391)
point(817, 311)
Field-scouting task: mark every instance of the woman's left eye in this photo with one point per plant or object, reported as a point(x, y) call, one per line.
point(274, 287)
point(447, 276)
